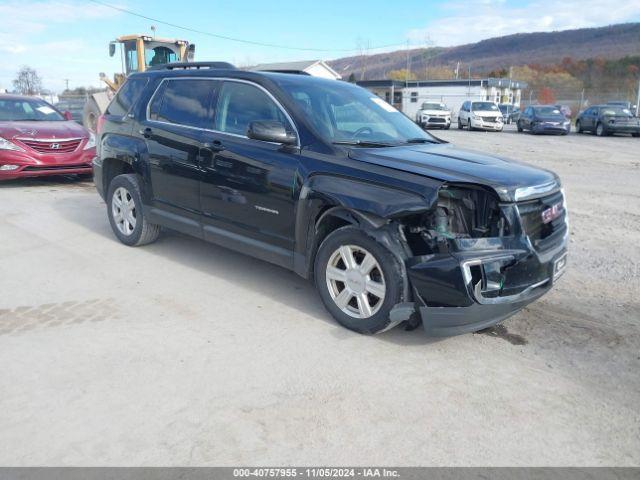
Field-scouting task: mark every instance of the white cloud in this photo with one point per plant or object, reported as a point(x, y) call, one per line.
point(40, 33)
point(471, 21)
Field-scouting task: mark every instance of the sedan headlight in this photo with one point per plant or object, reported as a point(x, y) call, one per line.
point(7, 145)
point(91, 143)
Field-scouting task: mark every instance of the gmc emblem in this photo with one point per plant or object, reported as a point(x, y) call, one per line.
point(551, 213)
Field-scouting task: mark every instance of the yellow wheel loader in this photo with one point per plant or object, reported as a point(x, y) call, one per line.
point(137, 53)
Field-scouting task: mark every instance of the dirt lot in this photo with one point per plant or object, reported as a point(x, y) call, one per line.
point(182, 353)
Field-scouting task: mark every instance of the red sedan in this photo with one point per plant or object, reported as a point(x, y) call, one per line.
point(36, 140)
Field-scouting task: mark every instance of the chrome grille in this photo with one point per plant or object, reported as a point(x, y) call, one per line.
point(542, 232)
point(67, 145)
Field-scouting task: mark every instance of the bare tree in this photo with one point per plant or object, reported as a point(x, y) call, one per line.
point(28, 82)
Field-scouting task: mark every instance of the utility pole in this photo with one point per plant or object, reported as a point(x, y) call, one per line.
point(66, 81)
point(530, 94)
point(638, 100)
point(581, 99)
point(406, 78)
point(457, 69)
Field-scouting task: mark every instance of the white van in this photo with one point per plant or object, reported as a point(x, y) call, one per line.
point(480, 115)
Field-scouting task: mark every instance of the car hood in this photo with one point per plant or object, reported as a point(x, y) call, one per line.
point(42, 130)
point(550, 118)
point(486, 113)
point(448, 163)
point(435, 112)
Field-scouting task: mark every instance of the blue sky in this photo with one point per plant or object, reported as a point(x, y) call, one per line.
point(69, 38)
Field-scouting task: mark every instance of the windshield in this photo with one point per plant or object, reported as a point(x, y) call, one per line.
point(433, 106)
point(345, 113)
point(481, 106)
point(32, 109)
point(504, 108)
point(547, 111)
point(625, 112)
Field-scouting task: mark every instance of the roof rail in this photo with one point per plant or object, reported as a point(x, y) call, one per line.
point(194, 65)
point(291, 72)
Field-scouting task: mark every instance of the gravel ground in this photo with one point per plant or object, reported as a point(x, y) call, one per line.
point(183, 353)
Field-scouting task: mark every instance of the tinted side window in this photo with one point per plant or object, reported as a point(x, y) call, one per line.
point(184, 102)
point(128, 94)
point(239, 104)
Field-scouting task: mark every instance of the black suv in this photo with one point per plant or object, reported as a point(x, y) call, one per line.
point(326, 179)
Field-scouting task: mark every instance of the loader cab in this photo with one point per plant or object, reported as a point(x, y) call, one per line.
point(140, 52)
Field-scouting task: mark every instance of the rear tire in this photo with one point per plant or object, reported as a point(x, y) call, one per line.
point(90, 115)
point(579, 127)
point(361, 291)
point(125, 212)
point(460, 126)
point(635, 134)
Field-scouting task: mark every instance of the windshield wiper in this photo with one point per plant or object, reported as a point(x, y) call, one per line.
point(364, 143)
point(422, 140)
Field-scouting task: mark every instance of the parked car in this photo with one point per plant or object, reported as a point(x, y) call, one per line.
point(606, 120)
point(565, 110)
point(507, 111)
point(334, 183)
point(73, 105)
point(37, 139)
point(434, 114)
point(481, 116)
point(515, 115)
point(544, 119)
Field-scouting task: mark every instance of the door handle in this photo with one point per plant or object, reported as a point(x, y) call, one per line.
point(146, 133)
point(215, 146)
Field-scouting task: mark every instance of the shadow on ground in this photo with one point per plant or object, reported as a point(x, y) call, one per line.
point(279, 284)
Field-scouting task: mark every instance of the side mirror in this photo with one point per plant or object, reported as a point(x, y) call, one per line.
point(271, 131)
point(112, 49)
point(67, 115)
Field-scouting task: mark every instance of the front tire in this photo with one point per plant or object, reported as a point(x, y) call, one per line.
point(359, 280)
point(579, 127)
point(600, 132)
point(90, 114)
point(126, 216)
point(519, 126)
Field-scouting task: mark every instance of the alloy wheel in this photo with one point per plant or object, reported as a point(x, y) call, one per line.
point(123, 209)
point(355, 281)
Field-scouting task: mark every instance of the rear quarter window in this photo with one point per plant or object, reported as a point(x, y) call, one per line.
point(127, 96)
point(184, 102)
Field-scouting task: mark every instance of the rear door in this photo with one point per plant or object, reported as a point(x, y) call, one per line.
point(178, 116)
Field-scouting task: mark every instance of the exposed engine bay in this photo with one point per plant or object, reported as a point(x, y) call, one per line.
point(460, 212)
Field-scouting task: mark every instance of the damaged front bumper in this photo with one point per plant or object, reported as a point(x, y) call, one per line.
point(480, 285)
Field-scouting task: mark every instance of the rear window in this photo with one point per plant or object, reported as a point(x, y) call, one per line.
point(128, 94)
point(184, 102)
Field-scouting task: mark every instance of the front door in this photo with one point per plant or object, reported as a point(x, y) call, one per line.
point(247, 191)
point(179, 113)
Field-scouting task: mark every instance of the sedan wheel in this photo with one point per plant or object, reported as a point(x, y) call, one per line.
point(355, 281)
point(123, 208)
point(600, 130)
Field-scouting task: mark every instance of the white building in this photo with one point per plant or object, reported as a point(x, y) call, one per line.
point(409, 96)
point(316, 68)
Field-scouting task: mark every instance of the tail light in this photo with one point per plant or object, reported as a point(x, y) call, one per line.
point(100, 124)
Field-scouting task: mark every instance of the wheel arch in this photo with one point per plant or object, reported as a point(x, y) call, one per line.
point(329, 203)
